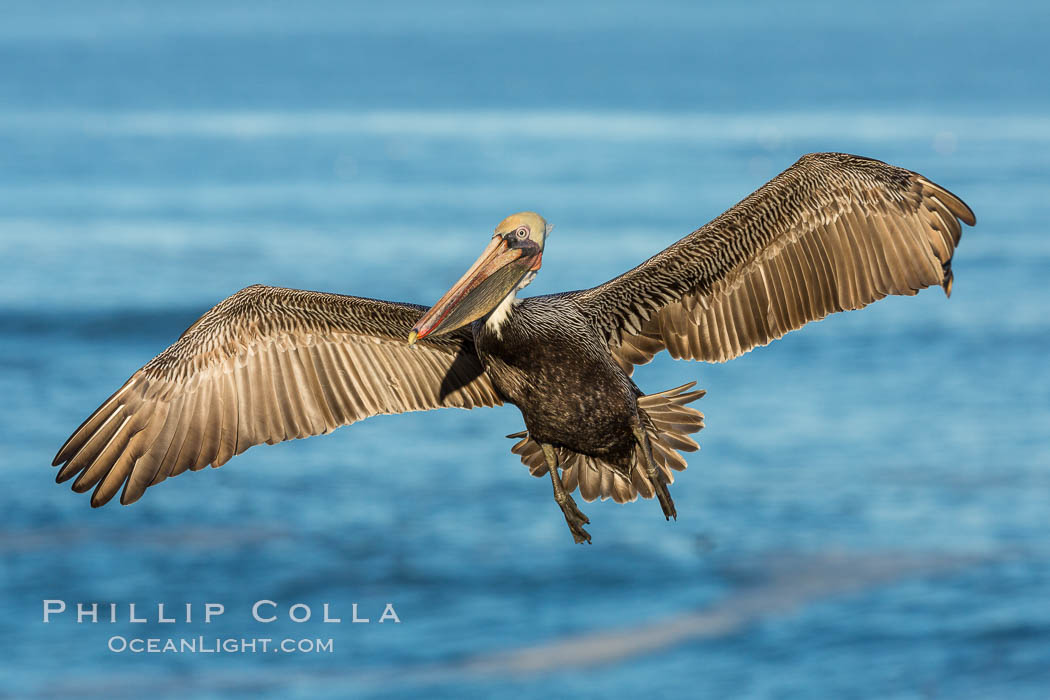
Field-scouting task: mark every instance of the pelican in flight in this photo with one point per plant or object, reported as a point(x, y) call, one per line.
point(833, 232)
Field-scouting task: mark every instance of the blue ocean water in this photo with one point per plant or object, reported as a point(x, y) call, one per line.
point(867, 517)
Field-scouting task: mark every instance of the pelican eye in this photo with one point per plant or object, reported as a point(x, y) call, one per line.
point(522, 232)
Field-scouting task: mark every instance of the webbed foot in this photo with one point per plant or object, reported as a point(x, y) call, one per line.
point(574, 518)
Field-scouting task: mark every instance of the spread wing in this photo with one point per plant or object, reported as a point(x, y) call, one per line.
point(832, 232)
point(267, 365)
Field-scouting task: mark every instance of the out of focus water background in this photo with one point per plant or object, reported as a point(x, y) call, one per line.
point(868, 516)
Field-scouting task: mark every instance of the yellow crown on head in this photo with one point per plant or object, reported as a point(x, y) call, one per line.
point(535, 224)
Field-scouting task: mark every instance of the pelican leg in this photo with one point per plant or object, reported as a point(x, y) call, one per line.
point(575, 519)
point(655, 478)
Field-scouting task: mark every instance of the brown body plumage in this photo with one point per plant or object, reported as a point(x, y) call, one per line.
point(831, 233)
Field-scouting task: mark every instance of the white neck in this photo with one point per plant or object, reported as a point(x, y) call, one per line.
point(499, 315)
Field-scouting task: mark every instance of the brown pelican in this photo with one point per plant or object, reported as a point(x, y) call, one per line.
point(832, 232)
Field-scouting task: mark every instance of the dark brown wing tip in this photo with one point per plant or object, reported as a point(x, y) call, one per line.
point(126, 498)
point(958, 209)
point(955, 205)
point(100, 498)
point(66, 452)
point(79, 486)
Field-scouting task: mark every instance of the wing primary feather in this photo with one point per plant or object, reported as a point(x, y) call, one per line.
point(145, 468)
point(955, 205)
point(120, 473)
point(82, 455)
point(98, 467)
point(92, 423)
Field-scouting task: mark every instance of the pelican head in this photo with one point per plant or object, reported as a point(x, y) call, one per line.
point(507, 264)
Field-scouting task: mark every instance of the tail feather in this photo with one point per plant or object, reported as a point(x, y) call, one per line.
point(669, 422)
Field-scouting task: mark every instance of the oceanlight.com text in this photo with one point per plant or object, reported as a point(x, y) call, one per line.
point(219, 645)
